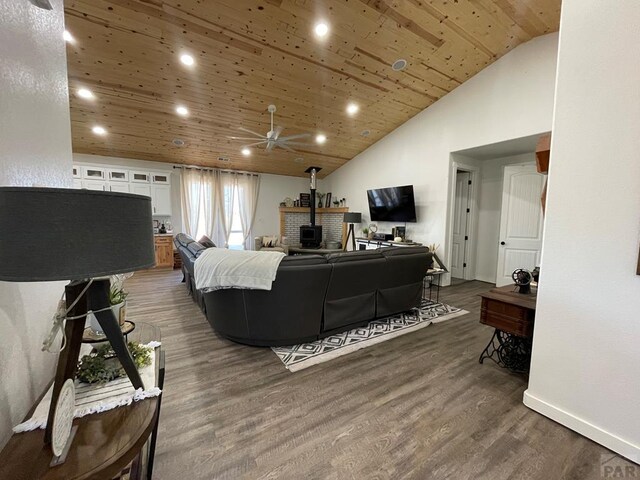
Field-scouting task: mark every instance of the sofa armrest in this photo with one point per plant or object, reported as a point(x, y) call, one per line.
point(257, 243)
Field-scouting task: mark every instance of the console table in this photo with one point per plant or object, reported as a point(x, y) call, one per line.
point(104, 444)
point(512, 315)
point(371, 244)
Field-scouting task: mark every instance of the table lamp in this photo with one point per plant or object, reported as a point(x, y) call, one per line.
point(351, 218)
point(82, 236)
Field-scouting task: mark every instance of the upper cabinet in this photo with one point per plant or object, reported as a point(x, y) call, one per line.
point(156, 185)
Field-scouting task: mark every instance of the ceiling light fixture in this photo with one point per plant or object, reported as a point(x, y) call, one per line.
point(187, 60)
point(365, 133)
point(352, 109)
point(181, 110)
point(98, 130)
point(321, 138)
point(68, 37)
point(178, 142)
point(321, 29)
point(246, 151)
point(85, 93)
point(399, 65)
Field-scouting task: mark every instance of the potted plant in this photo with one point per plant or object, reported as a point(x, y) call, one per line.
point(365, 232)
point(117, 300)
point(102, 365)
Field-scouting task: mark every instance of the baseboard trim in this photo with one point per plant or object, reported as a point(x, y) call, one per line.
point(597, 434)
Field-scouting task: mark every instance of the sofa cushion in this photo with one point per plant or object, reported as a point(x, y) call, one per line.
point(183, 239)
point(271, 241)
point(195, 248)
point(206, 242)
point(297, 260)
point(356, 256)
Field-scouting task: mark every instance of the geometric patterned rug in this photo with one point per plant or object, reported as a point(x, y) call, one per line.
point(304, 355)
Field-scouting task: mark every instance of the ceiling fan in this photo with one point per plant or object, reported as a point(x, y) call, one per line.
point(273, 139)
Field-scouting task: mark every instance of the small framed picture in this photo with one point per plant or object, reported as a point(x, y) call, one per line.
point(328, 202)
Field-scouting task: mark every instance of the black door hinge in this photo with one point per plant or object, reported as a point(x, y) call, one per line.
point(464, 265)
point(468, 210)
point(466, 237)
point(469, 182)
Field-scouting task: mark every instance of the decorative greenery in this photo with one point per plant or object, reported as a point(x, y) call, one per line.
point(365, 231)
point(102, 366)
point(117, 295)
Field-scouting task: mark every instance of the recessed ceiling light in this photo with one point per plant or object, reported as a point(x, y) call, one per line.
point(246, 151)
point(399, 65)
point(321, 138)
point(181, 110)
point(187, 59)
point(67, 36)
point(85, 93)
point(98, 130)
point(352, 109)
point(299, 160)
point(178, 142)
point(365, 133)
point(321, 29)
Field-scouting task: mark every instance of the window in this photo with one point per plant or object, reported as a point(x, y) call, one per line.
point(236, 238)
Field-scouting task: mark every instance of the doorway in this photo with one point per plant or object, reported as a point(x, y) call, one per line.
point(461, 227)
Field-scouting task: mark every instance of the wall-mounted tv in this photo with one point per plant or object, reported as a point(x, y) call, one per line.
point(393, 204)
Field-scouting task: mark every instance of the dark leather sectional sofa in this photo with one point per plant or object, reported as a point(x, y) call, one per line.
point(313, 296)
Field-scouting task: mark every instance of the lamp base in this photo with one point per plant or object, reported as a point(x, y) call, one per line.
point(96, 298)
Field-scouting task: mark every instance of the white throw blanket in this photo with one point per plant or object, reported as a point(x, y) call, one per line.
point(218, 268)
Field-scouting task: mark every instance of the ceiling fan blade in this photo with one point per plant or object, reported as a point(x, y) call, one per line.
point(286, 147)
point(254, 144)
point(251, 132)
point(297, 144)
point(277, 132)
point(292, 137)
point(270, 145)
point(243, 138)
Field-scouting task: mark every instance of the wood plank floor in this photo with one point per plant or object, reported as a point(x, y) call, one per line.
point(415, 407)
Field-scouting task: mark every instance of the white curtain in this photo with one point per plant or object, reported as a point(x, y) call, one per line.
point(200, 201)
point(228, 186)
point(209, 199)
point(191, 195)
point(248, 191)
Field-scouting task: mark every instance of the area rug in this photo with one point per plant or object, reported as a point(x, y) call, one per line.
point(304, 355)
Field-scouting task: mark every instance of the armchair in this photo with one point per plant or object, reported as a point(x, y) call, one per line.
point(272, 243)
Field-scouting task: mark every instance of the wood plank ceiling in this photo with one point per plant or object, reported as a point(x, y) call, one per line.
point(249, 54)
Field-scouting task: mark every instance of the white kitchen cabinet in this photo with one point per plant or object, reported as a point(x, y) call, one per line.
point(119, 187)
point(160, 178)
point(93, 185)
point(139, 177)
point(93, 173)
point(118, 175)
point(161, 199)
point(76, 172)
point(140, 189)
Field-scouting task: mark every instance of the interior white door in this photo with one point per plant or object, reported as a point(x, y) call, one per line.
point(521, 221)
point(460, 224)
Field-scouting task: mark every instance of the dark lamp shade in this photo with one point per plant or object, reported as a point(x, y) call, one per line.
point(67, 234)
point(352, 217)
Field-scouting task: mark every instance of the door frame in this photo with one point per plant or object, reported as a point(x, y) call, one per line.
point(470, 254)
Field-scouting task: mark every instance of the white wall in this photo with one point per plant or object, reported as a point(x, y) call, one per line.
point(490, 211)
point(35, 148)
point(273, 190)
point(584, 371)
point(176, 212)
point(511, 98)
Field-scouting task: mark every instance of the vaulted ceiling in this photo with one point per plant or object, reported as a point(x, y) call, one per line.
point(249, 54)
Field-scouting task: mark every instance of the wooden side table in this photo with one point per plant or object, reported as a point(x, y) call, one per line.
point(512, 315)
point(104, 444)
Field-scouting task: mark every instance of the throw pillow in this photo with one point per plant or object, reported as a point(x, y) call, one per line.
point(270, 242)
point(206, 242)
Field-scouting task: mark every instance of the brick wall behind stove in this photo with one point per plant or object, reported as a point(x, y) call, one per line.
point(331, 226)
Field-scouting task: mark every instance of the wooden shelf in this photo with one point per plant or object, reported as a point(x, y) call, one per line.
point(318, 210)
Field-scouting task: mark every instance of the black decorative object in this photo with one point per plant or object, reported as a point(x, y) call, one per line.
point(78, 235)
point(508, 351)
point(327, 202)
point(522, 278)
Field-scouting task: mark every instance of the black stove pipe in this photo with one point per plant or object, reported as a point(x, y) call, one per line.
point(312, 171)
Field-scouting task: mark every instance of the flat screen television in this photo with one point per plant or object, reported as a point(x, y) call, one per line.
point(392, 204)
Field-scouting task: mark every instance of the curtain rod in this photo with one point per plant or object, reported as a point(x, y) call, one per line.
point(190, 167)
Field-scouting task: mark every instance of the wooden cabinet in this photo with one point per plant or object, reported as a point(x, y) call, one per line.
point(164, 251)
point(161, 199)
point(509, 311)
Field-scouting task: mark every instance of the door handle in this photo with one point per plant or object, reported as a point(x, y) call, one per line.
point(502, 243)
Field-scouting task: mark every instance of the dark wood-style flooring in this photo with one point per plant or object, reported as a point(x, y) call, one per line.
point(415, 407)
